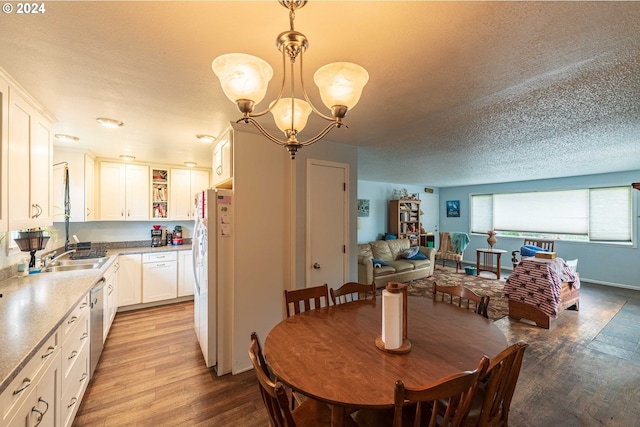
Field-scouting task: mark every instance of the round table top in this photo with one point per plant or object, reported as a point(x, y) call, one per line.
point(330, 353)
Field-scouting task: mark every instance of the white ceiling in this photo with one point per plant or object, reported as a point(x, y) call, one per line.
point(459, 92)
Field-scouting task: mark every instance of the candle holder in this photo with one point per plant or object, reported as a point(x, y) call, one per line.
point(392, 289)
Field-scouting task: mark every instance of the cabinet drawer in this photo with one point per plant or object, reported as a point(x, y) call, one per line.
point(76, 345)
point(17, 391)
point(78, 374)
point(160, 256)
point(72, 395)
point(80, 312)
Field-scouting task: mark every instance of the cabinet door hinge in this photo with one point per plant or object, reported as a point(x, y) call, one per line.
point(344, 186)
point(344, 249)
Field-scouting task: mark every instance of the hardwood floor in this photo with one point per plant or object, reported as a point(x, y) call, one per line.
point(584, 371)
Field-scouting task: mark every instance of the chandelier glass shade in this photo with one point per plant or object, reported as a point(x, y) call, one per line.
point(244, 79)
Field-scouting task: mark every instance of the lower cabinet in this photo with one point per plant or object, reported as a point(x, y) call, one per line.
point(129, 280)
point(186, 279)
point(75, 361)
point(33, 398)
point(159, 276)
point(110, 298)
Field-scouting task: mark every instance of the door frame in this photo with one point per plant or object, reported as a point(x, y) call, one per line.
point(345, 255)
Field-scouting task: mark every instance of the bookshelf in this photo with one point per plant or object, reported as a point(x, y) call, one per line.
point(404, 219)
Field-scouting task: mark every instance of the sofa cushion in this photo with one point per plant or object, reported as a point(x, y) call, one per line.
point(380, 250)
point(383, 271)
point(364, 250)
point(401, 265)
point(397, 247)
point(420, 263)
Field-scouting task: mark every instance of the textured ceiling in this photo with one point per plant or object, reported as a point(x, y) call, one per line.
point(459, 92)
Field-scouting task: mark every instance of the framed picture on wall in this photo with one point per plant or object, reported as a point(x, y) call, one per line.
point(363, 207)
point(453, 208)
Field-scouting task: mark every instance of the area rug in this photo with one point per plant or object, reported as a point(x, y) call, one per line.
point(483, 285)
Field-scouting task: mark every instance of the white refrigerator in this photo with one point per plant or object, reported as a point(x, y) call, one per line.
point(213, 270)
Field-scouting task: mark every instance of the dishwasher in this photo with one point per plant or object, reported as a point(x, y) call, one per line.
point(96, 323)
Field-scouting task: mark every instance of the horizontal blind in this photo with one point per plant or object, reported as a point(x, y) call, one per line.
point(610, 212)
point(565, 212)
point(481, 213)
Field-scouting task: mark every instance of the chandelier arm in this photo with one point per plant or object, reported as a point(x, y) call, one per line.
point(274, 102)
point(322, 134)
point(262, 130)
point(306, 97)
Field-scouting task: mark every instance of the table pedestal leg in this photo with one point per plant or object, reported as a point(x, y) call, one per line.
point(337, 415)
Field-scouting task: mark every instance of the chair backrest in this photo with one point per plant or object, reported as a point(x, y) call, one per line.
point(463, 297)
point(502, 375)
point(273, 394)
point(352, 291)
point(303, 297)
point(445, 242)
point(449, 398)
point(547, 245)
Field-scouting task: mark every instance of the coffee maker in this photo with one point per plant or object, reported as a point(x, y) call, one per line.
point(156, 236)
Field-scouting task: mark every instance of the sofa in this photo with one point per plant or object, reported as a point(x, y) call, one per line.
point(384, 261)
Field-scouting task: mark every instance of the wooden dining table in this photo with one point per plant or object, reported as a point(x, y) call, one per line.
point(330, 354)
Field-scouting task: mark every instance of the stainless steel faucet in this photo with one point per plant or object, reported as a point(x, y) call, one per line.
point(51, 259)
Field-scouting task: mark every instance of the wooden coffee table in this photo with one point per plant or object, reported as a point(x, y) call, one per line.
point(330, 353)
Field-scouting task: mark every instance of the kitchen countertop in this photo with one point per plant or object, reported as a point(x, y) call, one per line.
point(33, 306)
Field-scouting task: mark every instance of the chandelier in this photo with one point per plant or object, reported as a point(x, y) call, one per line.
point(244, 79)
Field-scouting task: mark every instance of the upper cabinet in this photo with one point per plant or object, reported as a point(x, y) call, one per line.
point(159, 193)
point(29, 164)
point(124, 192)
point(223, 161)
point(81, 168)
point(184, 184)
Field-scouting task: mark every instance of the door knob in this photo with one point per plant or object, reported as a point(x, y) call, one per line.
point(316, 266)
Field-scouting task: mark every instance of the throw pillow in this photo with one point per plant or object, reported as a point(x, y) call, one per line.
point(412, 251)
point(377, 263)
point(418, 256)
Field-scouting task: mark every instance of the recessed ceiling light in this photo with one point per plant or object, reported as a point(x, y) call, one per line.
point(127, 158)
point(109, 123)
point(205, 138)
point(67, 138)
point(190, 164)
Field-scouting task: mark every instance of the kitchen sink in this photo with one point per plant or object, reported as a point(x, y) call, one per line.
point(76, 264)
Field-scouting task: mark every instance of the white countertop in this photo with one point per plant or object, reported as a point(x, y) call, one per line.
point(33, 306)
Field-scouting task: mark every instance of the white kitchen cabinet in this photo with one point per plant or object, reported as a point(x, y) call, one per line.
point(159, 276)
point(81, 185)
point(183, 186)
point(75, 360)
point(29, 165)
point(38, 385)
point(124, 192)
point(186, 279)
point(223, 160)
point(110, 298)
point(129, 279)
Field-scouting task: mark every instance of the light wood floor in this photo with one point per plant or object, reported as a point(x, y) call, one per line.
point(576, 374)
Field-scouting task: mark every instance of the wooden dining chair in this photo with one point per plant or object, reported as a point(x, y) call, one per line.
point(491, 403)
point(443, 403)
point(463, 297)
point(455, 391)
point(308, 413)
point(352, 291)
point(301, 299)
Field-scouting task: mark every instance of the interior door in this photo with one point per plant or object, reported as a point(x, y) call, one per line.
point(327, 225)
point(431, 217)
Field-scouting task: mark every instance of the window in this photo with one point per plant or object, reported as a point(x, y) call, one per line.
point(595, 215)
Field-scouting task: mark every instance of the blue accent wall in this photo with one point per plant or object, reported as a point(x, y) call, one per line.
point(600, 263)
